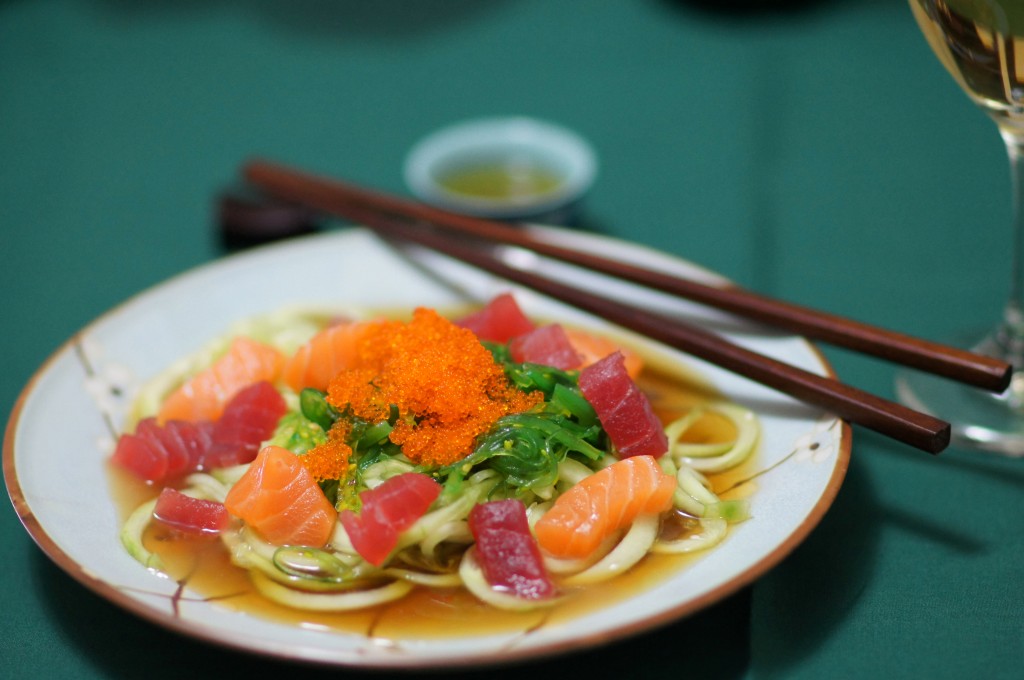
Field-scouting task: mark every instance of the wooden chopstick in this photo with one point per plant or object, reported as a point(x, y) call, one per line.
point(949, 362)
point(894, 420)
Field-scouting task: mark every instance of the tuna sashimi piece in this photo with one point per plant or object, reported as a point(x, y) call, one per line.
point(624, 411)
point(386, 512)
point(190, 515)
point(183, 443)
point(601, 504)
point(507, 552)
point(204, 396)
point(500, 320)
point(280, 499)
point(249, 419)
point(139, 456)
point(160, 452)
point(155, 453)
point(169, 443)
point(196, 437)
point(548, 345)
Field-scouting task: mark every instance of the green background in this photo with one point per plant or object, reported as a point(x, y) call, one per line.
point(813, 151)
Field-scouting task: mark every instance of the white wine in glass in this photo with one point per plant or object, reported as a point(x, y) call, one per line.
point(981, 43)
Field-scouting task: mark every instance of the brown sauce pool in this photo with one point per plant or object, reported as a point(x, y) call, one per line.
point(203, 564)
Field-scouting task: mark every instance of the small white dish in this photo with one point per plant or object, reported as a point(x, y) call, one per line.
point(513, 168)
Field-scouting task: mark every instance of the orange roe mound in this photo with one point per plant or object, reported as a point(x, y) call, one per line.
point(329, 460)
point(446, 385)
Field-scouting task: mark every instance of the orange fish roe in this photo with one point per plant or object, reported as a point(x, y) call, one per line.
point(446, 386)
point(329, 460)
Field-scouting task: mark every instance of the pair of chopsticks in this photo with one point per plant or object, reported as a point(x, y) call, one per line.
point(472, 239)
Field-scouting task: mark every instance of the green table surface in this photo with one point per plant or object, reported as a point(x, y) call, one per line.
point(816, 152)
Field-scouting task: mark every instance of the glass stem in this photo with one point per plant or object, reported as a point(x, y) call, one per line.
point(1015, 151)
point(1009, 338)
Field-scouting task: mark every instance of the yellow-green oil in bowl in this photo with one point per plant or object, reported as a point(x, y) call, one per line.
point(512, 168)
point(500, 181)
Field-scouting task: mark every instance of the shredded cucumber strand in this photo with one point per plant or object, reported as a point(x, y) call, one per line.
point(207, 487)
point(421, 578)
point(694, 486)
point(732, 511)
point(631, 549)
point(711, 533)
point(229, 476)
point(131, 536)
point(379, 472)
point(677, 428)
point(535, 511)
point(572, 471)
point(260, 547)
point(312, 564)
point(251, 554)
point(562, 565)
point(705, 458)
point(687, 503)
point(687, 450)
point(451, 532)
point(330, 602)
point(692, 495)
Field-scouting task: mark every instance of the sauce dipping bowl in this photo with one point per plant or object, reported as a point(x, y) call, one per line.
point(512, 168)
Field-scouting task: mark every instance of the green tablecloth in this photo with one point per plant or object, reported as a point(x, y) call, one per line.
point(817, 153)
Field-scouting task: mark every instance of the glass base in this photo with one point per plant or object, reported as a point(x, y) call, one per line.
point(979, 419)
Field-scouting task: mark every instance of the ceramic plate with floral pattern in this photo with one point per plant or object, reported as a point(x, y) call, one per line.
point(60, 484)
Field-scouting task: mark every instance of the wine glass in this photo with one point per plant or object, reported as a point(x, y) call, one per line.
point(981, 43)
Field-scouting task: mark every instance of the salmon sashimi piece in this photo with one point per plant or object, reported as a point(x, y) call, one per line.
point(331, 351)
point(280, 499)
point(601, 504)
point(205, 394)
point(593, 348)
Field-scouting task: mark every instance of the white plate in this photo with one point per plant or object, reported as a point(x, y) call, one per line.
point(57, 480)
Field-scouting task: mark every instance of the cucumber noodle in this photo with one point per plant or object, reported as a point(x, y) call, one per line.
point(437, 551)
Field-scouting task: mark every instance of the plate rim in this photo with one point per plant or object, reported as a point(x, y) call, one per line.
point(212, 634)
